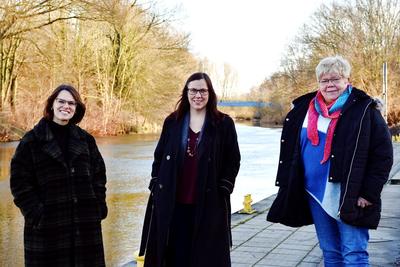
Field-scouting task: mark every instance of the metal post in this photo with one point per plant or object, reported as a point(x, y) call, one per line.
point(385, 89)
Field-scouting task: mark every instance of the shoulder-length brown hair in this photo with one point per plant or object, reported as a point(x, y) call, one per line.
point(79, 110)
point(183, 106)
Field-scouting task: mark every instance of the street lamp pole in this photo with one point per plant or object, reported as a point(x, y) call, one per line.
point(384, 90)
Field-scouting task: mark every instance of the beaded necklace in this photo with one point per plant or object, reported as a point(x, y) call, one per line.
point(192, 150)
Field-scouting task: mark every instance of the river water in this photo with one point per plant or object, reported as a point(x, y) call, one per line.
point(128, 161)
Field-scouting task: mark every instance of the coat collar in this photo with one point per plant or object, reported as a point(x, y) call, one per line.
point(76, 141)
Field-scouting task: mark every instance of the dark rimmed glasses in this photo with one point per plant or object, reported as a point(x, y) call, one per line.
point(333, 80)
point(194, 91)
point(62, 102)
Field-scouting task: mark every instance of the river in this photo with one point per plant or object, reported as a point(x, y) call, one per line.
point(128, 161)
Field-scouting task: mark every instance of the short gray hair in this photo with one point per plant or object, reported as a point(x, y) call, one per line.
point(336, 64)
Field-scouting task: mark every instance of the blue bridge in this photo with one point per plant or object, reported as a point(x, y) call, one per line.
point(245, 104)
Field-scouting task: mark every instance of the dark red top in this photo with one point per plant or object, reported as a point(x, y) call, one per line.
point(187, 180)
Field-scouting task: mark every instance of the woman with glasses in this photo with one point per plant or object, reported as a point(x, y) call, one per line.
point(336, 155)
point(187, 221)
point(58, 181)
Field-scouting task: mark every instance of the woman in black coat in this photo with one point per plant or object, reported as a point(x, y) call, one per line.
point(336, 155)
point(58, 182)
point(196, 161)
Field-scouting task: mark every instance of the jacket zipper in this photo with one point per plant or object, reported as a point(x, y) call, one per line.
point(352, 159)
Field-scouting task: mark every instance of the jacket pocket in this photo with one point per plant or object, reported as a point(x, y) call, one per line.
point(364, 217)
point(35, 217)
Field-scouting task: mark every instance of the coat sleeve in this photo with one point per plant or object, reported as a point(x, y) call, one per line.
point(230, 158)
point(99, 178)
point(380, 158)
point(158, 154)
point(23, 183)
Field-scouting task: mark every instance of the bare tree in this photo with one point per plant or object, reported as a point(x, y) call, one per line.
point(17, 18)
point(228, 81)
point(367, 32)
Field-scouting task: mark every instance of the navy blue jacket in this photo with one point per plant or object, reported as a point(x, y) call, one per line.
point(361, 159)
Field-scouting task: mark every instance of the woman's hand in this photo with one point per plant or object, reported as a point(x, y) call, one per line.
point(362, 202)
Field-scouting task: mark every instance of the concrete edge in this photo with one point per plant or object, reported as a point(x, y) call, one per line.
point(394, 176)
point(261, 207)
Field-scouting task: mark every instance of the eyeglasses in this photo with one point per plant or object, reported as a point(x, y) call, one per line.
point(62, 102)
point(194, 91)
point(334, 81)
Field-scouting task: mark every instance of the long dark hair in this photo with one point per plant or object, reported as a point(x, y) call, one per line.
point(48, 113)
point(183, 106)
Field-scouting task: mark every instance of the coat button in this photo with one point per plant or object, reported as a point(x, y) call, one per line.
point(277, 182)
point(168, 157)
point(330, 178)
point(283, 140)
point(72, 170)
point(287, 119)
point(332, 156)
point(280, 162)
point(160, 185)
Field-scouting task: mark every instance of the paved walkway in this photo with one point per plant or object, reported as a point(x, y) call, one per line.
point(261, 243)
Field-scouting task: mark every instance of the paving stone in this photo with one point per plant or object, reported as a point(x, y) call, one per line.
point(246, 257)
point(276, 262)
point(291, 253)
point(289, 246)
point(234, 264)
point(286, 257)
point(308, 264)
point(312, 258)
point(263, 249)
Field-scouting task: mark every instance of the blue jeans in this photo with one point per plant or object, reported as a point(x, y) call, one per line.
point(342, 244)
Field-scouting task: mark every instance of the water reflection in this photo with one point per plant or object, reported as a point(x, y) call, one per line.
point(11, 229)
point(122, 228)
point(6, 152)
point(128, 161)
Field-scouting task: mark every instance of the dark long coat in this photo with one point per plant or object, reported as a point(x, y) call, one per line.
point(361, 159)
point(219, 162)
point(63, 202)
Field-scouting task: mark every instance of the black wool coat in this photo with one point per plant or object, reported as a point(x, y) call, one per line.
point(63, 202)
point(361, 159)
point(219, 162)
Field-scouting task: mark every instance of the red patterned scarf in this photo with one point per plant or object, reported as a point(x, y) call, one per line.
point(312, 128)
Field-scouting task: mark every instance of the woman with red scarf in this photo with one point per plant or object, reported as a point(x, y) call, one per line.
point(336, 155)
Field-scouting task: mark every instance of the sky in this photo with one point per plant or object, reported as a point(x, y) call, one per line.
point(251, 36)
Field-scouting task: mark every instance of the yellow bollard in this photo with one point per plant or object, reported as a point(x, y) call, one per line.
point(247, 208)
point(139, 259)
